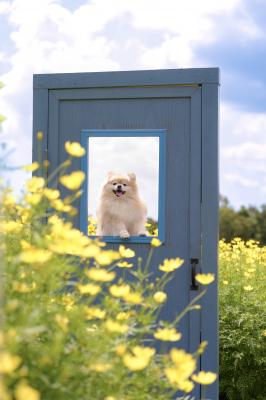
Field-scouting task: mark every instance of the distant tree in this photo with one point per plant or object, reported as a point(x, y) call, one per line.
point(262, 224)
point(247, 222)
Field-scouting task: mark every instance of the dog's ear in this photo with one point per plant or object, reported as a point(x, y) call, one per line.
point(131, 176)
point(110, 174)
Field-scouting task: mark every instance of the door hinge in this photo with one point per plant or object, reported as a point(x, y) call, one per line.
point(194, 262)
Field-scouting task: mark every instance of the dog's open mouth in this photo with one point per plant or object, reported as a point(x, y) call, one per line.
point(119, 193)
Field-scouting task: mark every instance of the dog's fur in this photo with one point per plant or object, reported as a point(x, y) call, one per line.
point(121, 212)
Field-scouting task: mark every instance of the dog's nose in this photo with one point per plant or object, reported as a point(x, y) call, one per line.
point(119, 186)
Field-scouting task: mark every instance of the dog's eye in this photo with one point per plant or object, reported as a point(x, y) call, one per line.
point(124, 184)
point(114, 183)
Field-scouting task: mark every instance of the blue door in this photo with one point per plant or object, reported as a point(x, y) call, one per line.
point(182, 105)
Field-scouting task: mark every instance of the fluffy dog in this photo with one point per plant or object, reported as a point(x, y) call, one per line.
point(121, 212)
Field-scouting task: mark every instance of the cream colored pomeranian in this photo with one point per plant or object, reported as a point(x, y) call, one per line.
point(121, 212)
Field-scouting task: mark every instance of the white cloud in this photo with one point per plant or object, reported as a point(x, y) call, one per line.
point(128, 34)
point(239, 180)
point(4, 7)
point(246, 151)
point(243, 125)
point(243, 155)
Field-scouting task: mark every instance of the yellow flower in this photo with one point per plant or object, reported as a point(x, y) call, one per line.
point(35, 183)
point(184, 366)
point(25, 245)
point(100, 367)
point(116, 327)
point(205, 279)
point(33, 198)
point(155, 242)
point(68, 301)
point(60, 206)
point(23, 391)
point(264, 332)
point(91, 251)
point(10, 227)
point(204, 378)
point(120, 349)
point(134, 298)
point(66, 240)
point(8, 200)
point(171, 264)
point(62, 321)
point(202, 347)
point(91, 230)
point(95, 313)
point(35, 255)
point(23, 287)
point(124, 264)
point(8, 362)
point(100, 275)
point(89, 288)
point(119, 290)
point(139, 359)
point(155, 232)
point(106, 257)
point(168, 335)
point(51, 194)
point(251, 270)
point(32, 167)
point(225, 282)
point(186, 386)
point(121, 316)
point(160, 297)
point(248, 288)
point(39, 135)
point(74, 149)
point(73, 181)
point(126, 253)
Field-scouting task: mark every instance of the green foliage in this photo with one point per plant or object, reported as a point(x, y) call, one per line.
point(242, 320)
point(247, 222)
point(79, 321)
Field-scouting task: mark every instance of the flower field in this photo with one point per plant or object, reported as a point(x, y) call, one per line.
point(242, 320)
point(79, 320)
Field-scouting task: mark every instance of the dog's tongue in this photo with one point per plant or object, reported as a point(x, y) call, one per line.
point(119, 194)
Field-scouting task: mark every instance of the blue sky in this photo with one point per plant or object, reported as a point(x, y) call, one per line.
point(45, 36)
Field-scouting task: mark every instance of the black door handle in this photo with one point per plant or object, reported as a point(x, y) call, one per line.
point(194, 262)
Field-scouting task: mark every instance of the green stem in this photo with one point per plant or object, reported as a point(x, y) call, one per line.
point(187, 308)
point(61, 168)
point(148, 261)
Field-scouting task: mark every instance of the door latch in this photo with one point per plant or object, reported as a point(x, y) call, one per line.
point(194, 262)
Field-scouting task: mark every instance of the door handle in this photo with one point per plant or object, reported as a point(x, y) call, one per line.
point(194, 262)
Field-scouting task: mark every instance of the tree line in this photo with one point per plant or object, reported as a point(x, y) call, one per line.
point(246, 223)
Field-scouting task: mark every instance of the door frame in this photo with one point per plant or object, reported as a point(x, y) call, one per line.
point(203, 86)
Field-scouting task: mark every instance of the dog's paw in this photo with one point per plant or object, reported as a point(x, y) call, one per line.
point(143, 233)
point(124, 234)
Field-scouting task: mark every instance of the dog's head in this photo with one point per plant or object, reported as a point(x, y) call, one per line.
point(120, 186)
